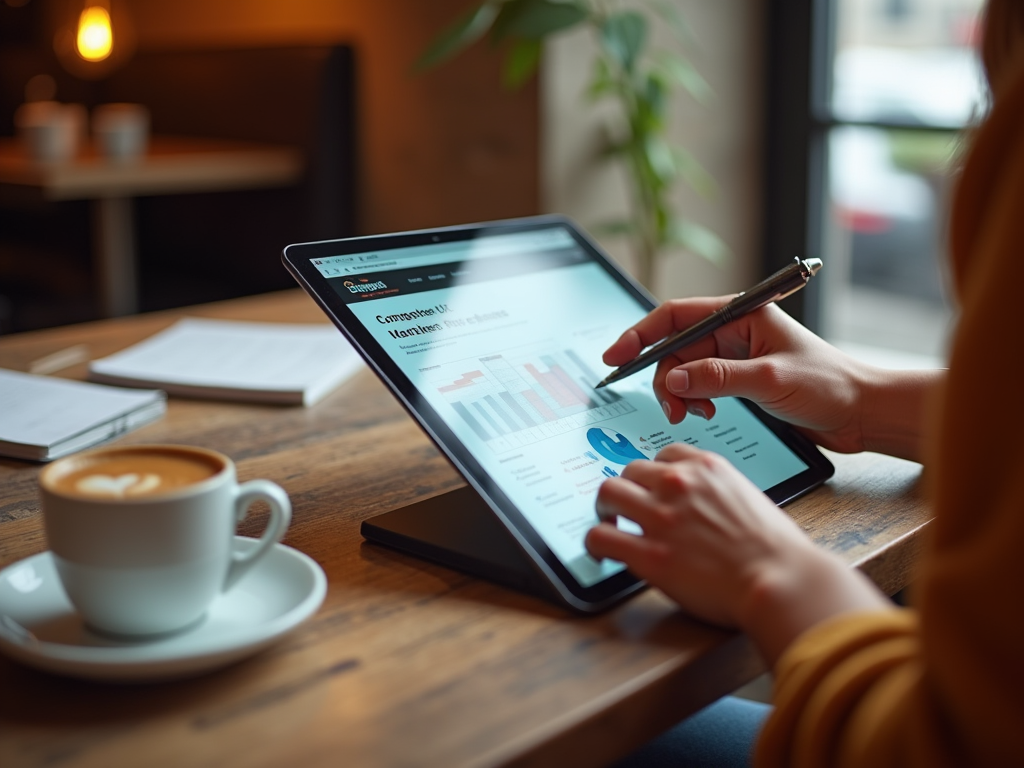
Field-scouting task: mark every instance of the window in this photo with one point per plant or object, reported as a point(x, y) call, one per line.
point(889, 86)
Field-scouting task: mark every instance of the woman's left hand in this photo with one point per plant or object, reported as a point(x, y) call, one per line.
point(709, 535)
point(723, 550)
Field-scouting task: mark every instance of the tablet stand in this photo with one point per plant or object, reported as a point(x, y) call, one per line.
point(457, 529)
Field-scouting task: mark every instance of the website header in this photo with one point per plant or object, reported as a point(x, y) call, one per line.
point(443, 253)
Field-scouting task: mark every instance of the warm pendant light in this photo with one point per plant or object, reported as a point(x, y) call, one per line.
point(95, 38)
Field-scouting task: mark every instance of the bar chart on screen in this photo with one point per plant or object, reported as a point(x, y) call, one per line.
point(525, 395)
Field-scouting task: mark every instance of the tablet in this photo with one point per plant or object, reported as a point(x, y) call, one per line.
point(491, 336)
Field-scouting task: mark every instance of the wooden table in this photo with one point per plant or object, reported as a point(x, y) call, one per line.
point(406, 663)
point(172, 165)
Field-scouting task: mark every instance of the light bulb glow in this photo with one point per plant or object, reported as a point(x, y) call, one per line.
point(95, 36)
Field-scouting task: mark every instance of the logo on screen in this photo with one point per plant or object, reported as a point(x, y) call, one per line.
point(364, 287)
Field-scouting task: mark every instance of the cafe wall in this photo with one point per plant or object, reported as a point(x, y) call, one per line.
point(452, 145)
point(442, 147)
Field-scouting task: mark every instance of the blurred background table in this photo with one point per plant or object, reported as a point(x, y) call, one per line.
point(407, 663)
point(172, 165)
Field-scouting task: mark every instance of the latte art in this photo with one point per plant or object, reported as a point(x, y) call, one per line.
point(132, 472)
point(120, 486)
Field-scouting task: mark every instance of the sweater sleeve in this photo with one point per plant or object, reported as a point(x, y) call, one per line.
point(836, 690)
point(943, 685)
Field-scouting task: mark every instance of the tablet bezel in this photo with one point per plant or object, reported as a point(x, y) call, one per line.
point(297, 259)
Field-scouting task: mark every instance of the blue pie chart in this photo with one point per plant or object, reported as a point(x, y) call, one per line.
point(612, 445)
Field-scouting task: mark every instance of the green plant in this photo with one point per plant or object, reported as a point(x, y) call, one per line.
point(629, 70)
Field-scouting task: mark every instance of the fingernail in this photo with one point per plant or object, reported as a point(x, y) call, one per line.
point(697, 410)
point(667, 409)
point(677, 381)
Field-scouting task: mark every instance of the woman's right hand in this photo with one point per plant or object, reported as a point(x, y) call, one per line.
point(765, 356)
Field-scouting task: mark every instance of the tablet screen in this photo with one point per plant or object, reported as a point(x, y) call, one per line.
point(501, 335)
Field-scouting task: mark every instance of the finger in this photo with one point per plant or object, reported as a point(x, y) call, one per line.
point(736, 340)
point(676, 315)
point(670, 375)
point(666, 481)
point(623, 349)
point(666, 319)
point(676, 452)
point(701, 380)
point(704, 409)
point(605, 541)
point(676, 409)
point(622, 497)
point(673, 405)
point(650, 475)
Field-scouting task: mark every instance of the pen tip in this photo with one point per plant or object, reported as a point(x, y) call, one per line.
point(813, 265)
point(601, 383)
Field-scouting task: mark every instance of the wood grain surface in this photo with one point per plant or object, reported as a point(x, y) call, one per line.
point(406, 663)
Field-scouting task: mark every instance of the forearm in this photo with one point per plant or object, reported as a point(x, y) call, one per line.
point(807, 588)
point(894, 406)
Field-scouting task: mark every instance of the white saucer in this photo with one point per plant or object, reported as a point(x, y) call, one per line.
point(39, 628)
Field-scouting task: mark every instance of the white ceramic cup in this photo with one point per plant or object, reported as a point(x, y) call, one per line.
point(121, 130)
point(50, 131)
point(143, 547)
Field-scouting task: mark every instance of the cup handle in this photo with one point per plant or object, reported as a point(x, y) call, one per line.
point(280, 517)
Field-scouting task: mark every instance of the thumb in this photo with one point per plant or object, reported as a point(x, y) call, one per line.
point(714, 377)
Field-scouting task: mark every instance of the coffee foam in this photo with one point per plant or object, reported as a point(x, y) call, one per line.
point(132, 484)
point(132, 473)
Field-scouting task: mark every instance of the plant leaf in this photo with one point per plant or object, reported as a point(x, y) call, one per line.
point(601, 82)
point(660, 158)
point(669, 11)
point(693, 172)
point(683, 73)
point(699, 240)
point(521, 62)
point(467, 30)
point(623, 36)
point(655, 95)
point(536, 19)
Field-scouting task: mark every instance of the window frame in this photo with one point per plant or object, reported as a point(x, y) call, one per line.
point(799, 51)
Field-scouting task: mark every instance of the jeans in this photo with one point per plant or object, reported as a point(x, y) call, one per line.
point(721, 735)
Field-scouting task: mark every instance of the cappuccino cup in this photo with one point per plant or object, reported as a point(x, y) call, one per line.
point(50, 131)
point(143, 537)
point(121, 130)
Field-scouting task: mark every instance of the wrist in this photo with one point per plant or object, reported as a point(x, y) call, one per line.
point(893, 410)
point(790, 596)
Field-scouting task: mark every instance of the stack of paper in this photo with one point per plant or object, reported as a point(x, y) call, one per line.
point(43, 418)
point(229, 360)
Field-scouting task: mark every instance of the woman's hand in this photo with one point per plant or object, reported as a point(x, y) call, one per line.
point(766, 356)
point(720, 548)
point(708, 533)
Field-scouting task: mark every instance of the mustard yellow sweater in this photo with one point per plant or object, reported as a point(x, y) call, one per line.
point(943, 685)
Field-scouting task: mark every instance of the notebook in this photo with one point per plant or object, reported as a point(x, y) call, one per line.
point(44, 418)
point(294, 364)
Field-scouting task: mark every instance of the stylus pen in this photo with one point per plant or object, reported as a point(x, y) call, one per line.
point(780, 285)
